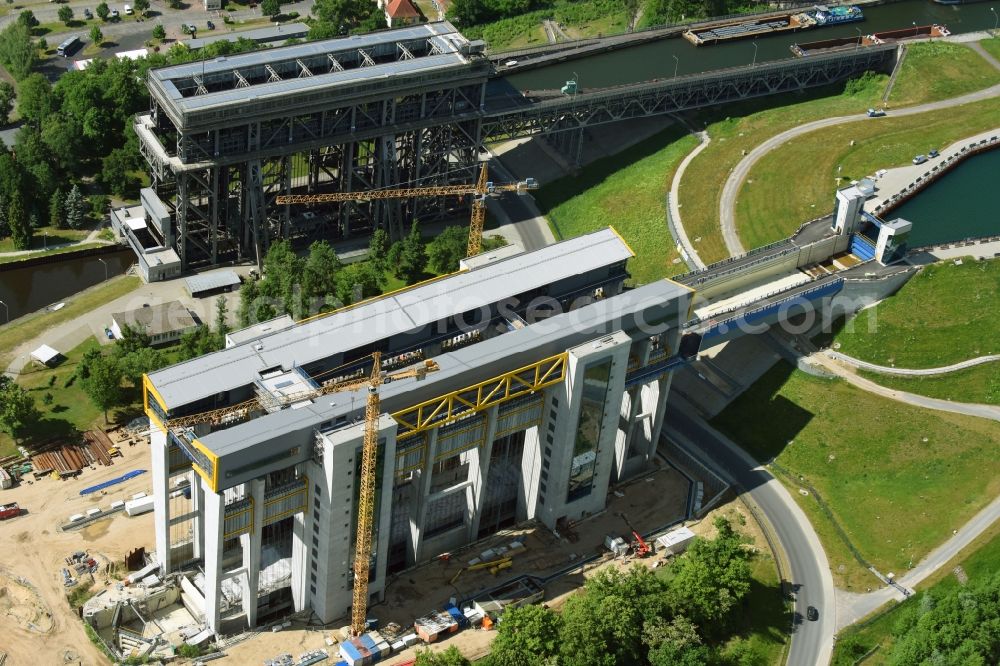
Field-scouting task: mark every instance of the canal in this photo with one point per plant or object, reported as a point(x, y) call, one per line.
point(657, 60)
point(958, 205)
point(28, 289)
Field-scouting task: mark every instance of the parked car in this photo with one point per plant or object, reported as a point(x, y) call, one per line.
point(114, 14)
point(189, 29)
point(128, 10)
point(87, 14)
point(812, 613)
point(876, 113)
point(933, 153)
point(919, 159)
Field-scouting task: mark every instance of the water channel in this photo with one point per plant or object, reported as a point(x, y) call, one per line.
point(657, 59)
point(28, 289)
point(961, 204)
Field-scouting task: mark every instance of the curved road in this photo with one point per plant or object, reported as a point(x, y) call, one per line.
point(810, 577)
point(911, 372)
point(675, 207)
point(727, 203)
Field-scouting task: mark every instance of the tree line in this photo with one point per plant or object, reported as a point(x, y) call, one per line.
point(320, 282)
point(682, 617)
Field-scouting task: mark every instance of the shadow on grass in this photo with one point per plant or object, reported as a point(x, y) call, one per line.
point(763, 613)
point(761, 420)
point(567, 187)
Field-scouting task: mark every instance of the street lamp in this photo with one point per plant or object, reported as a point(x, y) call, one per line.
point(996, 21)
point(105, 268)
point(45, 240)
point(6, 313)
point(577, 88)
point(677, 62)
point(914, 29)
point(754, 63)
point(860, 38)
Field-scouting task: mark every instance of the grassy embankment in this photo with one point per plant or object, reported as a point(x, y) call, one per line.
point(626, 191)
point(766, 216)
point(944, 315)
point(580, 18)
point(979, 559)
point(768, 209)
point(898, 479)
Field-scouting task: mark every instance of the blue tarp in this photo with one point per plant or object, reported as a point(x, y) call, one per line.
point(124, 477)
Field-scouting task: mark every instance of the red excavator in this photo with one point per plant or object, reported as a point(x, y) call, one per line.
point(639, 547)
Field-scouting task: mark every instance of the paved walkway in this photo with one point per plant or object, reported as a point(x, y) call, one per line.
point(852, 607)
point(675, 208)
point(90, 238)
point(894, 182)
point(968, 409)
point(738, 175)
point(910, 372)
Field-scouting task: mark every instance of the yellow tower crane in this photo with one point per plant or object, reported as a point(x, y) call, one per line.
point(481, 189)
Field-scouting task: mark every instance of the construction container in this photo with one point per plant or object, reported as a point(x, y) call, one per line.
point(117, 504)
point(137, 507)
point(76, 517)
point(675, 541)
point(91, 513)
point(456, 615)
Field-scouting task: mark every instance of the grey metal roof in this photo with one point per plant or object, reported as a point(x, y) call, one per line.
point(396, 313)
point(273, 34)
point(209, 281)
point(259, 330)
point(280, 89)
point(629, 311)
point(158, 319)
point(444, 35)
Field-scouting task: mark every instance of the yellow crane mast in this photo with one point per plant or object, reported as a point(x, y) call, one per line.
point(366, 502)
point(481, 189)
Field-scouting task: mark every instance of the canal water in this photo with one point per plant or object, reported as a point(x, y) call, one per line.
point(25, 290)
point(657, 59)
point(959, 205)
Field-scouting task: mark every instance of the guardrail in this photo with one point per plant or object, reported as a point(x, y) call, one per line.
point(827, 283)
point(739, 257)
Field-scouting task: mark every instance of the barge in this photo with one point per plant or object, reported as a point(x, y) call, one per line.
point(884, 37)
point(818, 17)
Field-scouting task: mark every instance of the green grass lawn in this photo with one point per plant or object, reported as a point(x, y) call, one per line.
point(940, 70)
point(747, 125)
point(944, 314)
point(978, 384)
point(39, 253)
point(979, 559)
point(31, 326)
point(626, 191)
point(898, 479)
point(55, 237)
point(768, 209)
point(992, 46)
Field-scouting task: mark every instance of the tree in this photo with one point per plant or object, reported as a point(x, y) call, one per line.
point(449, 657)
point(103, 12)
point(200, 341)
point(132, 340)
point(221, 321)
point(141, 6)
point(34, 99)
point(270, 7)
point(75, 208)
point(676, 643)
point(247, 313)
point(359, 281)
point(319, 277)
point(7, 96)
point(18, 413)
point(96, 35)
point(57, 209)
point(410, 260)
point(103, 384)
point(378, 249)
point(65, 14)
point(711, 577)
point(447, 249)
point(18, 221)
point(526, 636)
point(339, 17)
point(17, 52)
point(27, 19)
point(140, 362)
point(159, 32)
point(116, 172)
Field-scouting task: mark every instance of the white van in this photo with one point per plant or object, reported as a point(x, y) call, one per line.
point(128, 10)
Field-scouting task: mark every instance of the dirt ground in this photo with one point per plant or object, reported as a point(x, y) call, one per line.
point(34, 550)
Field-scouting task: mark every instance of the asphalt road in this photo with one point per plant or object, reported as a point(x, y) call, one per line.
point(810, 578)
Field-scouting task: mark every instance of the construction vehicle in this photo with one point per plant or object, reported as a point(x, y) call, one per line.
point(493, 565)
point(481, 189)
point(640, 548)
point(12, 510)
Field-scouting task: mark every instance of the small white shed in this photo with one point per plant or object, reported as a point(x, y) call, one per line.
point(675, 541)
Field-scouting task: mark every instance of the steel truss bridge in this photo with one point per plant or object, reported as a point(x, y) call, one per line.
point(400, 108)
